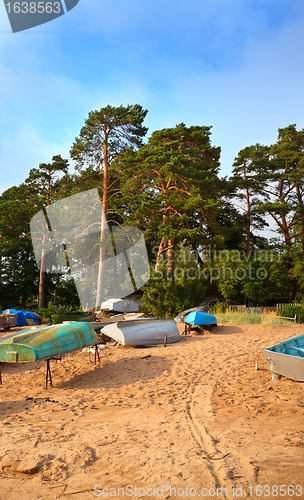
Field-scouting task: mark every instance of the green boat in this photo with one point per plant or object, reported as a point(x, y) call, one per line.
point(72, 316)
point(45, 342)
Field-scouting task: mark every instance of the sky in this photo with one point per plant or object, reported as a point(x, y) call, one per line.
point(234, 65)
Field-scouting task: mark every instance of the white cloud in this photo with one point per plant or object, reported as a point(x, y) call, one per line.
point(46, 123)
point(248, 104)
point(24, 151)
point(49, 83)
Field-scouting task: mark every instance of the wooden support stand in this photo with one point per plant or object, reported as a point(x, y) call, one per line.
point(96, 351)
point(48, 378)
point(48, 370)
point(96, 354)
point(187, 329)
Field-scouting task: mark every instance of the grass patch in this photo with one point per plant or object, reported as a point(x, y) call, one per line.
point(245, 318)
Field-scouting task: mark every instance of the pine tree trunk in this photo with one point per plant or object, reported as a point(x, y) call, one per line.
point(171, 259)
point(300, 201)
point(161, 254)
point(102, 250)
point(248, 236)
point(42, 280)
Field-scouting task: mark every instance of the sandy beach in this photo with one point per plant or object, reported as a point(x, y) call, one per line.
point(192, 420)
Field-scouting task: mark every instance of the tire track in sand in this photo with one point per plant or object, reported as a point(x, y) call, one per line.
point(198, 412)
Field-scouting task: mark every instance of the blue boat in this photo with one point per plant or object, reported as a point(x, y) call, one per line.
point(287, 358)
point(182, 316)
point(198, 318)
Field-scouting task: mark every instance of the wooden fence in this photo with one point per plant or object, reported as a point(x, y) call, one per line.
point(256, 310)
point(280, 306)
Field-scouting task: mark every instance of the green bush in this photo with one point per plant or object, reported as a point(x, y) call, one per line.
point(290, 310)
point(219, 307)
point(164, 298)
point(47, 312)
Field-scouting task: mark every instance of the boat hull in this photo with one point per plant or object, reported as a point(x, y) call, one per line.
point(42, 343)
point(8, 320)
point(181, 318)
point(143, 332)
point(73, 316)
point(198, 318)
point(287, 358)
point(119, 305)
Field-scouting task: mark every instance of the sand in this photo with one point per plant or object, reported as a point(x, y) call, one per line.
point(195, 416)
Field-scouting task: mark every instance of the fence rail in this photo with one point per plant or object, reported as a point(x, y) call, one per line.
point(280, 306)
point(258, 310)
point(293, 319)
point(267, 309)
point(237, 308)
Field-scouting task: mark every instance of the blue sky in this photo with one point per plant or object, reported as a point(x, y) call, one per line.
point(236, 65)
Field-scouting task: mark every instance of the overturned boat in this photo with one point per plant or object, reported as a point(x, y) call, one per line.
point(72, 316)
point(143, 331)
point(183, 315)
point(119, 305)
point(287, 358)
point(198, 318)
point(45, 342)
point(7, 322)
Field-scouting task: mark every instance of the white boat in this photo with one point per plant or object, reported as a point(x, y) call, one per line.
point(143, 331)
point(119, 305)
point(287, 358)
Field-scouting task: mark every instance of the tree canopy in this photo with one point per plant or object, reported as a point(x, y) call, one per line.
point(169, 187)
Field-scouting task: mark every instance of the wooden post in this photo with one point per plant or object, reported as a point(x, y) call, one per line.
point(300, 318)
point(48, 370)
point(97, 353)
point(48, 374)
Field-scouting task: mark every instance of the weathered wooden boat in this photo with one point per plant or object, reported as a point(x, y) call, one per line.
point(143, 331)
point(45, 342)
point(287, 358)
point(182, 316)
point(72, 316)
point(119, 305)
point(8, 320)
point(17, 317)
point(2, 321)
point(198, 318)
